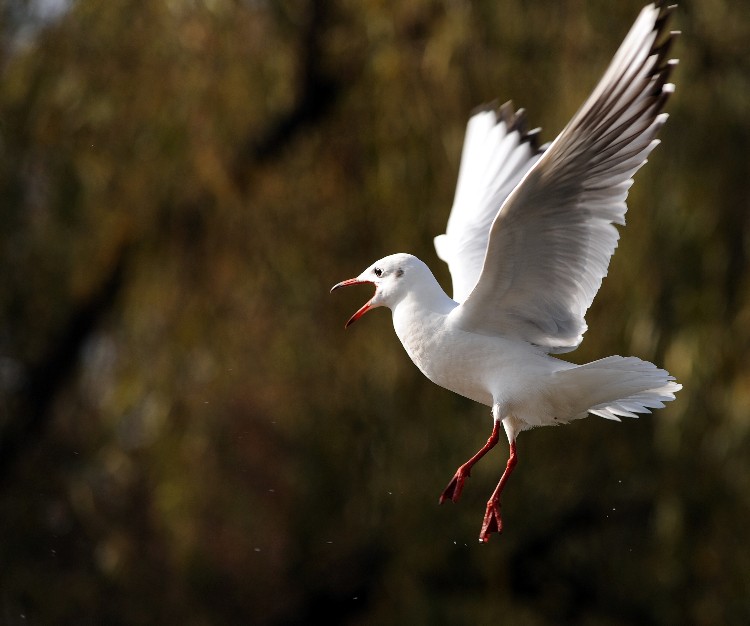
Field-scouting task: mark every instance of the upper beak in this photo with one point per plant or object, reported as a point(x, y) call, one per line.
point(348, 283)
point(366, 307)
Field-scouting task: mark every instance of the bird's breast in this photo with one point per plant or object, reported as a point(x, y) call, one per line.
point(449, 357)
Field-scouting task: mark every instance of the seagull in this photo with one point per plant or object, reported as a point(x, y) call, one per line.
point(528, 242)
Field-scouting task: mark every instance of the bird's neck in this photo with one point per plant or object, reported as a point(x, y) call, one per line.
point(420, 320)
point(421, 310)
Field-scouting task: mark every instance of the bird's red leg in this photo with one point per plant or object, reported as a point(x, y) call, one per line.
point(456, 485)
point(492, 522)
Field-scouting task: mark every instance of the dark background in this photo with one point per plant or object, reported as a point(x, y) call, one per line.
point(188, 435)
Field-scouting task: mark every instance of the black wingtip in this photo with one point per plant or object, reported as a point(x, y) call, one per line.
point(484, 108)
point(515, 121)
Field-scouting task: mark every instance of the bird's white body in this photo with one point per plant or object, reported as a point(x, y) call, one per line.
point(478, 367)
point(524, 386)
point(528, 242)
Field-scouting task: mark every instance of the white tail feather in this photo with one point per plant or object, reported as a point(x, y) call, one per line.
point(615, 387)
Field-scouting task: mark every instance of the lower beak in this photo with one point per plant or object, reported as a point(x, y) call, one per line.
point(366, 307)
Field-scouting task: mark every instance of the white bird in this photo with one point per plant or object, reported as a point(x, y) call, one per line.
point(528, 242)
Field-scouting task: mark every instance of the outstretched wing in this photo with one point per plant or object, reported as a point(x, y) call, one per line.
point(497, 153)
point(550, 244)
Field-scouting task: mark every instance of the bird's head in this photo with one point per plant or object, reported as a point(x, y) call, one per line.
point(393, 276)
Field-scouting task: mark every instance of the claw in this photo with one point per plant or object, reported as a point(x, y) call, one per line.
point(492, 523)
point(455, 487)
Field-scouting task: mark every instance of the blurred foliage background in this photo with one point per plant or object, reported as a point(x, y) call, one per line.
point(187, 435)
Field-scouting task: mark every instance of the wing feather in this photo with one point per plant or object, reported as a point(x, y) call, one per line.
point(550, 243)
point(497, 153)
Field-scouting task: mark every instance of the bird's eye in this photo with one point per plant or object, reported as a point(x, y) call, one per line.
point(378, 272)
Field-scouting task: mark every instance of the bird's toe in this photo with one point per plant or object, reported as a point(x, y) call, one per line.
point(492, 523)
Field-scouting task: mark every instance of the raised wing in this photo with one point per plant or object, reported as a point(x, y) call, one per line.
point(550, 245)
point(497, 153)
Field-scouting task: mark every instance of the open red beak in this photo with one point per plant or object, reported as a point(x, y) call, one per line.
point(366, 307)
